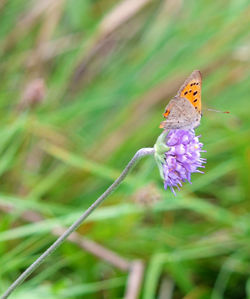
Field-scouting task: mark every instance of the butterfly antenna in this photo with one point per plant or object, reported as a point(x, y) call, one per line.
point(219, 111)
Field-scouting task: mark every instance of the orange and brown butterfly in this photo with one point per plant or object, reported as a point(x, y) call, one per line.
point(184, 110)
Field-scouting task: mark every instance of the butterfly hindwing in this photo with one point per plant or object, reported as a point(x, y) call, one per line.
point(181, 115)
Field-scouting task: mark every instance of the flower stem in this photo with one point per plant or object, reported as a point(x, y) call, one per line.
point(140, 153)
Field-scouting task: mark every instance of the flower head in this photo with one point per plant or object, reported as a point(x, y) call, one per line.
point(181, 159)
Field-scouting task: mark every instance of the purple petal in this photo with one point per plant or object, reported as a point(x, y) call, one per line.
point(182, 159)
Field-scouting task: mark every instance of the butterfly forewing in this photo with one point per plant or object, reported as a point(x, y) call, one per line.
point(191, 90)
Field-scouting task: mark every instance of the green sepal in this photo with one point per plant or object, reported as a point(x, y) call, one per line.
point(160, 149)
point(160, 145)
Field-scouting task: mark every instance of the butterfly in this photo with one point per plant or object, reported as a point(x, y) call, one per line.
point(184, 110)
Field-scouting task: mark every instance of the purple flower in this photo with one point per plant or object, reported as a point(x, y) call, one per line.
point(181, 159)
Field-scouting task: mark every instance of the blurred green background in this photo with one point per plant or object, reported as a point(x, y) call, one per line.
point(83, 87)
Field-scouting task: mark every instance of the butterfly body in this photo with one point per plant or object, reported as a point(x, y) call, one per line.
point(184, 110)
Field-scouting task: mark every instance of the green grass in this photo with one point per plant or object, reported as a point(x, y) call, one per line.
point(106, 89)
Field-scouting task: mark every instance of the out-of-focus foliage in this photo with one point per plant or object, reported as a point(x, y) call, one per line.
point(83, 86)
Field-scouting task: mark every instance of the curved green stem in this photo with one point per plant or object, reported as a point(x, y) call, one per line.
point(140, 153)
